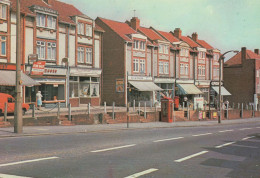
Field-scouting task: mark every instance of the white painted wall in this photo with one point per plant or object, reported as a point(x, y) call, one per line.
point(97, 54)
point(62, 47)
point(13, 17)
point(85, 40)
point(46, 34)
point(13, 43)
point(28, 43)
point(3, 27)
point(72, 50)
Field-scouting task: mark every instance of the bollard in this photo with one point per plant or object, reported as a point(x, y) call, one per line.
point(246, 107)
point(155, 106)
point(134, 105)
point(188, 110)
point(183, 106)
point(145, 109)
point(58, 113)
point(33, 110)
point(69, 110)
point(139, 105)
point(242, 107)
point(88, 108)
point(113, 111)
point(253, 110)
point(127, 121)
point(151, 102)
point(238, 105)
point(197, 106)
point(5, 113)
point(233, 106)
point(227, 109)
point(105, 107)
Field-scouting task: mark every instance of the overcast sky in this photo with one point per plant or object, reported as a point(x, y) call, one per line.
point(224, 24)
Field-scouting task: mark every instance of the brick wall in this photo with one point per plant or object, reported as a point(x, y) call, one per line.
point(74, 102)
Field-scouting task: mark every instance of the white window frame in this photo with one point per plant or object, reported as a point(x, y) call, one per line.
point(142, 66)
point(142, 45)
point(41, 49)
point(89, 55)
point(136, 44)
point(161, 66)
point(3, 11)
point(81, 28)
point(184, 52)
point(41, 20)
point(136, 65)
point(160, 48)
point(3, 42)
point(182, 71)
point(186, 66)
point(80, 56)
point(51, 51)
point(166, 67)
point(88, 30)
point(51, 22)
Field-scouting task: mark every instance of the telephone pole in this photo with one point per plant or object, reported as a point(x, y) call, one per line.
point(18, 118)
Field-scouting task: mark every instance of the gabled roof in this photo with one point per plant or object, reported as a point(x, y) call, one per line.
point(122, 29)
point(152, 35)
point(64, 10)
point(98, 28)
point(204, 44)
point(189, 41)
point(169, 36)
point(237, 59)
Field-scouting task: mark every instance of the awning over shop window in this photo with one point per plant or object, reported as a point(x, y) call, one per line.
point(145, 86)
point(189, 89)
point(50, 81)
point(8, 78)
point(224, 91)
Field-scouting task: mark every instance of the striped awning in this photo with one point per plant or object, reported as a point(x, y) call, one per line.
point(8, 78)
point(145, 86)
point(189, 89)
point(224, 91)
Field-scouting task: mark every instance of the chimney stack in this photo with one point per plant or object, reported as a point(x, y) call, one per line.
point(194, 36)
point(243, 54)
point(135, 23)
point(177, 33)
point(257, 51)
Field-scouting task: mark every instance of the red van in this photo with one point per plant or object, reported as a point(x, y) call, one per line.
point(10, 104)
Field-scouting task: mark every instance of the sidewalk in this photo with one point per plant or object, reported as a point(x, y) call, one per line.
point(52, 130)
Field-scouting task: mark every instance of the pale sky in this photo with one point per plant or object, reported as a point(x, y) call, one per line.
point(224, 24)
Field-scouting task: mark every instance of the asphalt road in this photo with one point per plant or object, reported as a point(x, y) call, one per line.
point(212, 151)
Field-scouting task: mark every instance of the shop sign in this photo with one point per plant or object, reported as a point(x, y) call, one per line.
point(139, 78)
point(198, 102)
point(215, 115)
point(38, 68)
point(32, 58)
point(54, 71)
point(120, 85)
point(7, 67)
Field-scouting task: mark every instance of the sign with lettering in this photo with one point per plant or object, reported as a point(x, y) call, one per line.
point(38, 68)
point(7, 67)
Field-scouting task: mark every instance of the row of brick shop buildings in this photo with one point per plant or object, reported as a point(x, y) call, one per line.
point(108, 61)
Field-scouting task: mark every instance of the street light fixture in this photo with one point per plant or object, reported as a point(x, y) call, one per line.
point(66, 61)
point(222, 57)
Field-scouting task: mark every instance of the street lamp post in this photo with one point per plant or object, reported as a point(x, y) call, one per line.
point(66, 61)
point(220, 72)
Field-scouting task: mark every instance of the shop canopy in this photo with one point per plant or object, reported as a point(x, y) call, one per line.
point(8, 78)
point(224, 91)
point(189, 89)
point(145, 86)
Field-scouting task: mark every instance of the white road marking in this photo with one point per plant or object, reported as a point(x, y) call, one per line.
point(27, 161)
point(226, 131)
point(201, 134)
point(191, 156)
point(142, 173)
point(11, 176)
point(258, 127)
point(226, 144)
point(168, 139)
point(245, 129)
point(248, 138)
point(115, 148)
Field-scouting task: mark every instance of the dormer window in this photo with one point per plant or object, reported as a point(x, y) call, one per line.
point(184, 52)
point(139, 45)
point(3, 11)
point(202, 55)
point(41, 21)
point(216, 57)
point(84, 29)
point(163, 49)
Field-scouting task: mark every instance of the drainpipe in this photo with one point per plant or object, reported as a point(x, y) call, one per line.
point(194, 68)
point(126, 75)
point(175, 72)
point(68, 70)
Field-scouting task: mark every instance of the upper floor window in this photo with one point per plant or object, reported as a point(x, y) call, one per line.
point(184, 52)
point(202, 55)
point(201, 70)
point(184, 69)
point(84, 29)
point(51, 50)
point(136, 65)
point(41, 21)
point(216, 57)
point(163, 67)
point(139, 45)
point(142, 66)
point(215, 72)
point(84, 55)
point(2, 46)
point(3, 11)
point(164, 49)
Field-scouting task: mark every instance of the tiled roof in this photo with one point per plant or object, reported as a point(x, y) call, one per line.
point(65, 10)
point(152, 35)
point(237, 59)
point(122, 29)
point(205, 44)
point(169, 36)
point(189, 41)
point(98, 28)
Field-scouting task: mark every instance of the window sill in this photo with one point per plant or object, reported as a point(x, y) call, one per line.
point(52, 30)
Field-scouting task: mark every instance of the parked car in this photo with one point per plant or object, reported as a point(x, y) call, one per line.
point(10, 104)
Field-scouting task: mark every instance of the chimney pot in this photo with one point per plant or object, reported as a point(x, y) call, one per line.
point(257, 51)
point(194, 36)
point(243, 54)
point(177, 33)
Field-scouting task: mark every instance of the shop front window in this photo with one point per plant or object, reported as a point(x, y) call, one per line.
point(84, 86)
point(52, 92)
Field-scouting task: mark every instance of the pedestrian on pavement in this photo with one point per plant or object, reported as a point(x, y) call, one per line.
point(39, 99)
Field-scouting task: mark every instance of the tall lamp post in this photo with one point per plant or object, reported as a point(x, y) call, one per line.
point(66, 61)
point(221, 58)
